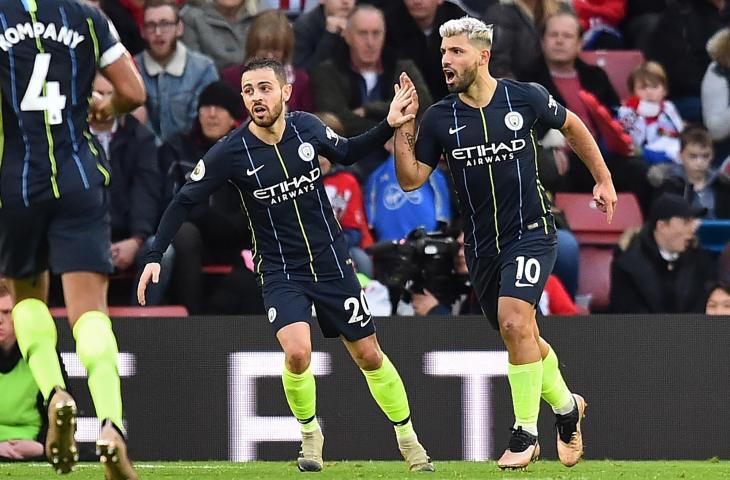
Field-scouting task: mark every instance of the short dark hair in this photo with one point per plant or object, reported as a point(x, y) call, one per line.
point(695, 135)
point(261, 63)
point(163, 3)
point(719, 285)
point(4, 290)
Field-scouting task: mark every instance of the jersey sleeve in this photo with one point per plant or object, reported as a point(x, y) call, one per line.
point(428, 148)
point(210, 173)
point(549, 112)
point(109, 45)
point(347, 151)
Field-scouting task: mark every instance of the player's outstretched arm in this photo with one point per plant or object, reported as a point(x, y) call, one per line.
point(410, 172)
point(360, 145)
point(151, 272)
point(583, 144)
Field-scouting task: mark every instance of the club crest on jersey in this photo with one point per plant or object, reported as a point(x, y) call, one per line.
point(514, 121)
point(272, 315)
point(331, 135)
point(306, 152)
point(198, 172)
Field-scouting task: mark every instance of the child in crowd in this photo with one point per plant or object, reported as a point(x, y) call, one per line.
point(652, 121)
point(694, 179)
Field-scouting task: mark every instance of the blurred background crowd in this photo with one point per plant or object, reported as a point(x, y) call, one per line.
point(650, 79)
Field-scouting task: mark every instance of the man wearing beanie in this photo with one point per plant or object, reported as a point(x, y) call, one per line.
point(661, 270)
point(173, 75)
point(214, 231)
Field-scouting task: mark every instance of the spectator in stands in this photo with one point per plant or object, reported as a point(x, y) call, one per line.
point(718, 302)
point(679, 45)
point(413, 32)
point(652, 121)
point(695, 179)
point(357, 85)
point(218, 29)
point(600, 21)
point(564, 75)
point(715, 93)
point(173, 75)
point(392, 213)
point(127, 17)
point(23, 420)
point(271, 36)
point(215, 232)
point(517, 23)
point(318, 32)
point(345, 196)
point(135, 195)
point(661, 270)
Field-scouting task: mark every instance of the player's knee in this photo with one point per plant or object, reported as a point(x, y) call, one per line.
point(514, 327)
point(95, 342)
point(298, 358)
point(33, 324)
point(369, 359)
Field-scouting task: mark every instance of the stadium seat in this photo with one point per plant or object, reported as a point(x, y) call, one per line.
point(217, 269)
point(618, 65)
point(152, 311)
point(594, 277)
point(589, 224)
point(714, 234)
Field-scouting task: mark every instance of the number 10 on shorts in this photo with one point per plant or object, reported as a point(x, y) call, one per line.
point(528, 269)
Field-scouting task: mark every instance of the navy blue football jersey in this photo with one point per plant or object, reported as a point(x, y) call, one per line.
point(294, 229)
point(492, 155)
point(49, 54)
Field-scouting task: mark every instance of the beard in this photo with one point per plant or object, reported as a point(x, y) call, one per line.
point(463, 82)
point(271, 117)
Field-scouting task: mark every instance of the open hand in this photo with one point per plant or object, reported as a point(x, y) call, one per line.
point(400, 107)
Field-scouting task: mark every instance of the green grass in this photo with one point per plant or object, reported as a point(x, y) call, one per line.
point(544, 470)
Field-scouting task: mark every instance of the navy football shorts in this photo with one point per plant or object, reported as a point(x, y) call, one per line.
point(520, 271)
point(340, 305)
point(69, 234)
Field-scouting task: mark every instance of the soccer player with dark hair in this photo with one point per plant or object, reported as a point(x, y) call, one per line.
point(486, 128)
point(299, 251)
point(54, 209)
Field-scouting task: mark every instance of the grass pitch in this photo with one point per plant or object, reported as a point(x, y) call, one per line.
point(543, 470)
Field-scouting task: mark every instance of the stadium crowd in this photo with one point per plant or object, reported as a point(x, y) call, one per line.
point(662, 124)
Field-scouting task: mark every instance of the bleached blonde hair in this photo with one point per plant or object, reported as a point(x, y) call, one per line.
point(478, 32)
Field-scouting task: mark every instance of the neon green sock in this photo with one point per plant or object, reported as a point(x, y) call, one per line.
point(554, 390)
point(37, 336)
point(301, 395)
point(388, 391)
point(525, 382)
point(96, 347)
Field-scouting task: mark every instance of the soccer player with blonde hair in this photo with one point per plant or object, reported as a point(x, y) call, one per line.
point(487, 128)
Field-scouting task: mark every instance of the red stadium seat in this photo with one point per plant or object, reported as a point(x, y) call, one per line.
point(589, 224)
point(217, 269)
point(152, 311)
point(594, 278)
point(618, 65)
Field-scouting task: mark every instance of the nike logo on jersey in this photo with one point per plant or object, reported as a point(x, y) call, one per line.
point(454, 130)
point(250, 172)
point(520, 284)
point(362, 324)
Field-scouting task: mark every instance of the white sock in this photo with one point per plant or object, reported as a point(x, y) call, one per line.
point(567, 408)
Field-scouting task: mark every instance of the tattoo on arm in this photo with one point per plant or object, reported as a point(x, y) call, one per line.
point(411, 141)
